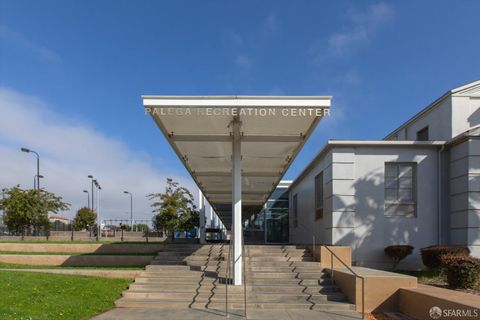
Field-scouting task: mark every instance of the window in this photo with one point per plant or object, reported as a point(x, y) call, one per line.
point(295, 211)
point(319, 196)
point(400, 190)
point(422, 135)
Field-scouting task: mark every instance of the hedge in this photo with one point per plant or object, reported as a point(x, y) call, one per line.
point(431, 255)
point(461, 271)
point(397, 253)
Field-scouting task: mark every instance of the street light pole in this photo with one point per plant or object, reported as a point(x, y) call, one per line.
point(3, 211)
point(95, 181)
point(91, 177)
point(131, 209)
point(88, 198)
point(38, 164)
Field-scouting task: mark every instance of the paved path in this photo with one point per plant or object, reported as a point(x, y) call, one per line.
point(191, 314)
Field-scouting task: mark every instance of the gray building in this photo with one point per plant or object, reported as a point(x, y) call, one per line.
point(420, 186)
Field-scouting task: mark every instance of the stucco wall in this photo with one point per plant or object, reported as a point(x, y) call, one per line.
point(354, 203)
point(438, 120)
point(465, 195)
point(373, 230)
point(307, 225)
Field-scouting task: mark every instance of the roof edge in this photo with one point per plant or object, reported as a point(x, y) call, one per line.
point(362, 143)
point(432, 106)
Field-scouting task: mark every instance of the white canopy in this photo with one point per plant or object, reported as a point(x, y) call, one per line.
point(273, 130)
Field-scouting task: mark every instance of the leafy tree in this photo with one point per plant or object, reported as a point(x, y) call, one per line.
point(30, 208)
point(84, 219)
point(174, 209)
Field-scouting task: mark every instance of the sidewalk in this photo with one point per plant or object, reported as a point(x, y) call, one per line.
point(204, 314)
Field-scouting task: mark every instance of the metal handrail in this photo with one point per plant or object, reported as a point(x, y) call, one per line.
point(332, 254)
point(227, 278)
point(244, 276)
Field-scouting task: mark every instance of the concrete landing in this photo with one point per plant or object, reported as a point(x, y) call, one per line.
point(191, 314)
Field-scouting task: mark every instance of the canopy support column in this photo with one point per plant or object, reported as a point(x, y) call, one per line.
point(201, 206)
point(236, 203)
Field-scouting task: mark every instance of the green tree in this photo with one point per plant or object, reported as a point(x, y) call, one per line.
point(84, 219)
point(174, 209)
point(30, 208)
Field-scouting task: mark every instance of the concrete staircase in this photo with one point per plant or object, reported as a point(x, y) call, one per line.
point(193, 276)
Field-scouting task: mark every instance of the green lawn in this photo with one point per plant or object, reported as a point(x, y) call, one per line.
point(87, 242)
point(79, 253)
point(30, 266)
point(41, 296)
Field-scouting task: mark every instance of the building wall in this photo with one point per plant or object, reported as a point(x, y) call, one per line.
point(438, 120)
point(354, 203)
point(308, 227)
point(465, 195)
point(465, 112)
point(373, 230)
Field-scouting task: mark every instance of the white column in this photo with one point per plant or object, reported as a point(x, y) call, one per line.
point(236, 204)
point(201, 205)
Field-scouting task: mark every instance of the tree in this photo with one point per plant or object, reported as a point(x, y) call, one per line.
point(84, 219)
point(174, 209)
point(30, 208)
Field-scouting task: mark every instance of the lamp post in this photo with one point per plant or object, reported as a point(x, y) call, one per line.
point(131, 209)
point(3, 211)
point(38, 164)
point(97, 185)
point(88, 198)
point(91, 177)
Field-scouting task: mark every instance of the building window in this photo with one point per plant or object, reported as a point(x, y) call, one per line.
point(422, 135)
point(319, 196)
point(400, 188)
point(295, 211)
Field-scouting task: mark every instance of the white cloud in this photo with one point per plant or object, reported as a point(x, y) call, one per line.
point(243, 61)
point(362, 26)
point(69, 152)
point(17, 39)
point(270, 25)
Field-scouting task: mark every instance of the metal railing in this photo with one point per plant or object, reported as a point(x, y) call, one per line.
point(332, 254)
point(228, 274)
point(227, 277)
point(244, 258)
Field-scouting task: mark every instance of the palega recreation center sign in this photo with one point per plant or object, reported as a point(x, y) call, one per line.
point(239, 111)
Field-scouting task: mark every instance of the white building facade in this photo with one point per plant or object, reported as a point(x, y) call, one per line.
point(418, 186)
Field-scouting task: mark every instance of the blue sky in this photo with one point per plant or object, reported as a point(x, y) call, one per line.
point(72, 72)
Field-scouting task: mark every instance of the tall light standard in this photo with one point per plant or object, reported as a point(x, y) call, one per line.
point(38, 164)
point(131, 209)
point(3, 211)
point(95, 181)
point(88, 198)
point(91, 177)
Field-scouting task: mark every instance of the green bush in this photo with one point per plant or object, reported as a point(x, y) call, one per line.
point(461, 271)
point(397, 253)
point(431, 255)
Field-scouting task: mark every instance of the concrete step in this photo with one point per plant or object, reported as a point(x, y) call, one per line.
point(239, 297)
point(169, 304)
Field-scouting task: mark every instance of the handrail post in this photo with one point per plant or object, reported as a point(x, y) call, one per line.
point(332, 254)
point(244, 277)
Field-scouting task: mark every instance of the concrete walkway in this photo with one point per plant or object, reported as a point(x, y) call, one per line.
point(191, 314)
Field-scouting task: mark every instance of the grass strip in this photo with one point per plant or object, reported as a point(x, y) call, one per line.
point(42, 296)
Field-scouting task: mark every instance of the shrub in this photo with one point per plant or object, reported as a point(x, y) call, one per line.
point(461, 271)
point(431, 255)
point(397, 253)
